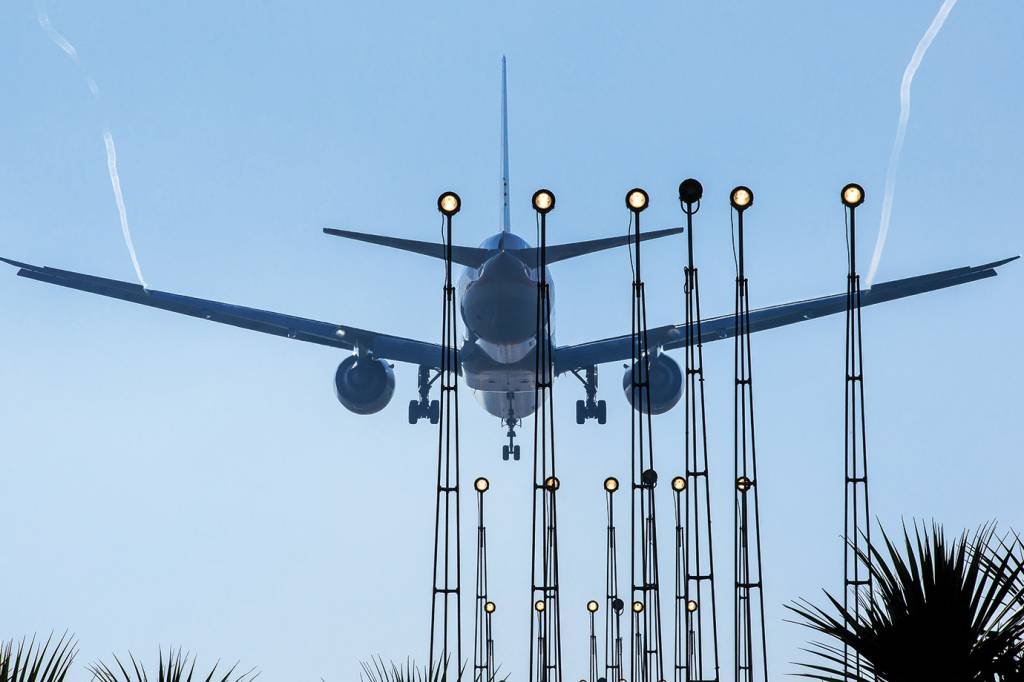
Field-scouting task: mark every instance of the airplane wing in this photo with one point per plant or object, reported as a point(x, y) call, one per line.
point(619, 348)
point(383, 346)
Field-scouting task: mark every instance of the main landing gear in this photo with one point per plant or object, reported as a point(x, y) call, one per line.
point(590, 408)
point(424, 408)
point(511, 422)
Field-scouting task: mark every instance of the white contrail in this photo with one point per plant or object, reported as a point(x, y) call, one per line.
point(901, 131)
point(115, 182)
point(108, 141)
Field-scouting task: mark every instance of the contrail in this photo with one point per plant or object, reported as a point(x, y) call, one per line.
point(115, 182)
point(901, 131)
point(65, 45)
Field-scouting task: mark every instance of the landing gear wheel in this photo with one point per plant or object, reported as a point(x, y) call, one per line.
point(414, 411)
point(602, 412)
point(434, 411)
point(504, 453)
point(581, 412)
point(515, 453)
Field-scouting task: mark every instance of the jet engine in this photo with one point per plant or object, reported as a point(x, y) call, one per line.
point(364, 385)
point(666, 385)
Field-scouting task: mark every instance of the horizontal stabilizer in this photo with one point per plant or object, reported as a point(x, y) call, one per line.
point(464, 255)
point(560, 252)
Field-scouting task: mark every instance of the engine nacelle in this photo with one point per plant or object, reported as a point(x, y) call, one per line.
point(364, 385)
point(666, 385)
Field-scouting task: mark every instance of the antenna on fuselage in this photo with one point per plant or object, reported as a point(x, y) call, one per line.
point(505, 221)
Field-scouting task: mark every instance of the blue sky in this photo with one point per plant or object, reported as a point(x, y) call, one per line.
point(171, 482)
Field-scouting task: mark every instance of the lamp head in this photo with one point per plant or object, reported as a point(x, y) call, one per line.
point(636, 200)
point(449, 203)
point(638, 607)
point(552, 483)
point(538, 605)
point(691, 606)
point(489, 607)
point(852, 195)
point(690, 191)
point(679, 484)
point(743, 484)
point(481, 484)
point(611, 484)
point(543, 201)
point(592, 606)
point(741, 198)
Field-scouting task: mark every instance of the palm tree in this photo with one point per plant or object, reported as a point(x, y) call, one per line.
point(177, 667)
point(34, 662)
point(939, 611)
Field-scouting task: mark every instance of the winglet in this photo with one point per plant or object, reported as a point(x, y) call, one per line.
point(506, 225)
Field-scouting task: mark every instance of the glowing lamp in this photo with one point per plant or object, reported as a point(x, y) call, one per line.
point(636, 199)
point(741, 198)
point(592, 606)
point(489, 607)
point(449, 203)
point(611, 484)
point(638, 606)
point(679, 484)
point(481, 484)
point(538, 605)
point(743, 484)
point(543, 201)
point(852, 195)
point(552, 483)
point(691, 606)
point(690, 191)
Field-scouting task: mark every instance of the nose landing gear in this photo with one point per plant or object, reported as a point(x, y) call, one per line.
point(424, 408)
point(591, 408)
point(511, 422)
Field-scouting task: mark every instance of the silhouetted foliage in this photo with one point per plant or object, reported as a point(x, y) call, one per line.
point(379, 671)
point(32, 662)
point(940, 611)
point(177, 667)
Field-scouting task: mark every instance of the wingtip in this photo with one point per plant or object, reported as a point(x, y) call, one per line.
point(15, 263)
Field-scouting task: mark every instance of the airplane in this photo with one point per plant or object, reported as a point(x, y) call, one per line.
point(498, 296)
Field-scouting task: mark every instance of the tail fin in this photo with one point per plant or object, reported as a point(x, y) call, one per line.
point(505, 221)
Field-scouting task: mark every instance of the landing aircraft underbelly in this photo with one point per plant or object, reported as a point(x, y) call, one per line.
point(494, 387)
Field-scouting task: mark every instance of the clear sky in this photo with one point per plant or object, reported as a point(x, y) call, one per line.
point(172, 482)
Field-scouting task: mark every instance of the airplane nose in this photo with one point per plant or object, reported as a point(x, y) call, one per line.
point(501, 305)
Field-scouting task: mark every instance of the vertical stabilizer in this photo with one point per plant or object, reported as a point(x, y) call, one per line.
point(505, 221)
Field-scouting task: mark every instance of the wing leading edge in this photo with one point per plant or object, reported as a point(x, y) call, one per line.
point(384, 346)
point(619, 348)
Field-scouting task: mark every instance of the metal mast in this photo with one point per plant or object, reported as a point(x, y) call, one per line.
point(483, 645)
point(613, 603)
point(857, 578)
point(545, 627)
point(446, 599)
point(750, 647)
point(646, 636)
point(700, 640)
point(592, 607)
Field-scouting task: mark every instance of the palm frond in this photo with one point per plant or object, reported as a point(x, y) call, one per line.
point(178, 666)
point(34, 662)
point(940, 610)
point(376, 670)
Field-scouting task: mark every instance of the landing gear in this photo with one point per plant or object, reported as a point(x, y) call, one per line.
point(424, 408)
point(511, 422)
point(591, 408)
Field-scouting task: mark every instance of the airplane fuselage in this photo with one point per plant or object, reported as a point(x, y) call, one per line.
point(498, 303)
